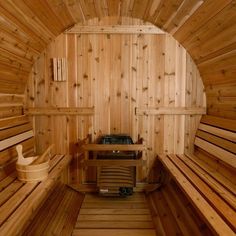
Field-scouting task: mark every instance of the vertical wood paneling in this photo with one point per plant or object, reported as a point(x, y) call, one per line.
point(116, 73)
point(205, 28)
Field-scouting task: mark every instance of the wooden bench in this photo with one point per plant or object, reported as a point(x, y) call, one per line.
point(207, 177)
point(20, 201)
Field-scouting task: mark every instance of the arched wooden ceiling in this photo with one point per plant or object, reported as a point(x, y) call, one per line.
point(206, 28)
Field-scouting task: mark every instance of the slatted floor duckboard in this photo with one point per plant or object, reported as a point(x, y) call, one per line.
point(108, 216)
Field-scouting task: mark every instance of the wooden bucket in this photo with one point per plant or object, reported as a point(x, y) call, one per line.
point(32, 169)
point(32, 173)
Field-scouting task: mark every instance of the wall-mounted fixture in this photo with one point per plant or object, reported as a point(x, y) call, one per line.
point(59, 69)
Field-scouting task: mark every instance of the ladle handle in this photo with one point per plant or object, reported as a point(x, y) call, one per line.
point(19, 149)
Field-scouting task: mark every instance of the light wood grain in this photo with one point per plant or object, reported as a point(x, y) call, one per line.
point(59, 111)
point(115, 232)
point(194, 196)
point(15, 139)
point(114, 74)
point(221, 154)
point(170, 111)
point(113, 147)
point(114, 29)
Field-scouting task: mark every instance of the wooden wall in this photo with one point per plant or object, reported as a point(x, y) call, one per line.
point(205, 28)
point(11, 105)
point(115, 74)
point(209, 36)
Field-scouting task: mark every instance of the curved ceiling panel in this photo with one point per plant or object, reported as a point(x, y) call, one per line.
point(206, 29)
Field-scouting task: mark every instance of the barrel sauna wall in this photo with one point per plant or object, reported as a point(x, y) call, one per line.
point(116, 74)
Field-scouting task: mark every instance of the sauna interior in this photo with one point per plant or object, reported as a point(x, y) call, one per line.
point(160, 71)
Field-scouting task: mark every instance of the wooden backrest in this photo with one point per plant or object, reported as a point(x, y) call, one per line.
point(217, 136)
point(13, 131)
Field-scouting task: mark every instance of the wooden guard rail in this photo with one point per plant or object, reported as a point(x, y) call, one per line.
point(112, 147)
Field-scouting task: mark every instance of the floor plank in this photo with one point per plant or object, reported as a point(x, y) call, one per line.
point(114, 216)
point(114, 232)
point(58, 214)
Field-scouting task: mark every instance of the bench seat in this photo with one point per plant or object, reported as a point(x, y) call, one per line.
point(19, 201)
point(219, 215)
point(202, 175)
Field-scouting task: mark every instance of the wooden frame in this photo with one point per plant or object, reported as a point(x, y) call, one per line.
point(48, 111)
point(111, 147)
point(171, 111)
point(99, 163)
point(114, 29)
point(83, 152)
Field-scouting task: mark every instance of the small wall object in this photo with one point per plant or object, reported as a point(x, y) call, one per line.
point(32, 169)
point(59, 69)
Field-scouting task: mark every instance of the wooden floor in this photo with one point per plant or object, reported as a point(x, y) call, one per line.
point(58, 214)
point(164, 212)
point(108, 216)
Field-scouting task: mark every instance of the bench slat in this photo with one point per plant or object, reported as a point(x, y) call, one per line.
point(220, 142)
point(181, 212)
point(213, 183)
point(222, 123)
point(231, 136)
point(15, 139)
point(7, 133)
point(8, 192)
point(13, 121)
point(223, 208)
point(7, 180)
point(223, 155)
point(10, 153)
point(9, 207)
point(19, 197)
point(215, 174)
point(215, 222)
point(16, 222)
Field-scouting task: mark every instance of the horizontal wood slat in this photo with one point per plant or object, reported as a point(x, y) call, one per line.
point(11, 110)
point(40, 111)
point(115, 29)
point(113, 147)
point(20, 207)
point(214, 221)
point(7, 133)
point(219, 122)
point(223, 155)
point(113, 163)
point(15, 139)
point(114, 225)
point(13, 121)
point(218, 132)
point(114, 232)
point(123, 215)
point(114, 217)
point(214, 199)
point(224, 181)
point(11, 154)
point(171, 111)
point(218, 141)
point(210, 180)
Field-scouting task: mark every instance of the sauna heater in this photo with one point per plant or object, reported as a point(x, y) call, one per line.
point(116, 180)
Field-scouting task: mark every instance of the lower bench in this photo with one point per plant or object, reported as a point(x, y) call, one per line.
point(214, 200)
point(20, 201)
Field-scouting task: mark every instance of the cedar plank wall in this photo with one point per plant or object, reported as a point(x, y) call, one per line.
point(11, 105)
point(116, 73)
point(205, 28)
point(209, 36)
